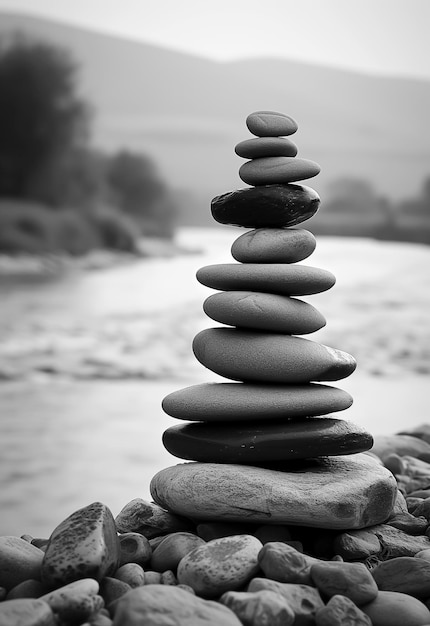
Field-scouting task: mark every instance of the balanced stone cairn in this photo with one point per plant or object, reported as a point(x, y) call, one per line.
point(266, 449)
point(282, 517)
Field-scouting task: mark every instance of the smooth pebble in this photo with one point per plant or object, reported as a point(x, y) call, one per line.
point(273, 245)
point(277, 170)
point(232, 353)
point(270, 124)
point(244, 402)
point(266, 146)
point(264, 311)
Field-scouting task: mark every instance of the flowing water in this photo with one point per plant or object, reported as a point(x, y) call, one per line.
point(86, 357)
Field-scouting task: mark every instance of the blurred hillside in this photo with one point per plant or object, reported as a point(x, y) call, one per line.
point(188, 112)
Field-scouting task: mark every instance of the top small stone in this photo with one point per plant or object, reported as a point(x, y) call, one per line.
point(270, 124)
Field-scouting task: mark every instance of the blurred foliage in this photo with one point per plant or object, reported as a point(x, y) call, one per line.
point(135, 185)
point(41, 118)
point(58, 193)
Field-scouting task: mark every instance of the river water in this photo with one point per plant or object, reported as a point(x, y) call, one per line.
point(86, 357)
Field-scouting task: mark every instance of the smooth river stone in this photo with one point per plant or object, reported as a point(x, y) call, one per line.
point(217, 402)
point(264, 311)
point(270, 124)
point(273, 245)
point(272, 206)
point(282, 278)
point(277, 170)
point(335, 492)
point(269, 358)
point(259, 442)
point(266, 146)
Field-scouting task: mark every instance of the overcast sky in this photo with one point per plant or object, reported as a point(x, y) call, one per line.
point(378, 36)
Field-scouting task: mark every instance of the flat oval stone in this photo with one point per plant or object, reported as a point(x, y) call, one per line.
point(269, 358)
point(264, 311)
point(270, 124)
point(289, 439)
point(277, 170)
point(340, 492)
point(281, 278)
point(273, 245)
point(266, 146)
point(215, 402)
point(273, 206)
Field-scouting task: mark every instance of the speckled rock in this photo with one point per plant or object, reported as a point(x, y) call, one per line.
point(265, 147)
point(257, 442)
point(341, 611)
point(84, 545)
point(245, 402)
point(221, 565)
point(134, 548)
point(75, 602)
point(396, 609)
point(263, 311)
point(270, 124)
point(260, 608)
point(336, 493)
point(266, 206)
point(283, 563)
point(170, 551)
point(277, 170)
point(304, 600)
point(231, 353)
point(352, 580)
point(26, 612)
point(132, 574)
point(148, 519)
point(405, 574)
point(273, 245)
point(19, 561)
point(162, 605)
point(281, 278)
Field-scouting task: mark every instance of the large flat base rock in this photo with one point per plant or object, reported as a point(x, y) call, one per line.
point(335, 492)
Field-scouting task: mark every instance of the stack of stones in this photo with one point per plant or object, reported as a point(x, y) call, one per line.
point(265, 448)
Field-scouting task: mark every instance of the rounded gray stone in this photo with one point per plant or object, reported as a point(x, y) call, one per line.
point(266, 146)
point(215, 402)
point(281, 278)
point(269, 358)
point(264, 311)
point(273, 245)
point(277, 170)
point(270, 124)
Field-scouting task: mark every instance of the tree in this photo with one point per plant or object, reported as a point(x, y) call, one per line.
point(42, 120)
point(138, 191)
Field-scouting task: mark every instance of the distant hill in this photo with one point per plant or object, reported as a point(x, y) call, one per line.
point(189, 112)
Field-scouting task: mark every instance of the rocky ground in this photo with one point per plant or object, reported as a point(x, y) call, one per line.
point(150, 566)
